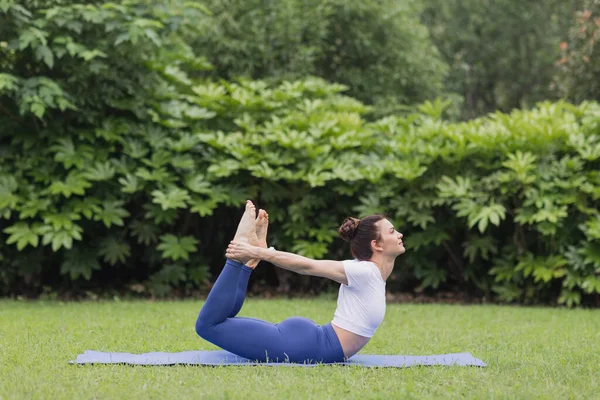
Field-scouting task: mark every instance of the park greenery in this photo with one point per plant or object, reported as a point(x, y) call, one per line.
point(133, 132)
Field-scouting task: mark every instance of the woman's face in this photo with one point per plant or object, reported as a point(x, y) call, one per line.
point(390, 239)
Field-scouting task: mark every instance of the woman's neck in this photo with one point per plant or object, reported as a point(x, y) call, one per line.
point(384, 264)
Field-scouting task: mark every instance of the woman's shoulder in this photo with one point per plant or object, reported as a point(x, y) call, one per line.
point(360, 265)
point(359, 262)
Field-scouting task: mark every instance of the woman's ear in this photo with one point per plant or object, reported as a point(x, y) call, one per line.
point(376, 246)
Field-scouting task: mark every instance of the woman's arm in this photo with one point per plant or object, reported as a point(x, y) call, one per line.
point(333, 270)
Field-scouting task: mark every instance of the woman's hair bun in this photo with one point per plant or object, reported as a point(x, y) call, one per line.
point(348, 229)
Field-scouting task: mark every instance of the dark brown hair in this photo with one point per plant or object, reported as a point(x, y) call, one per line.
point(359, 233)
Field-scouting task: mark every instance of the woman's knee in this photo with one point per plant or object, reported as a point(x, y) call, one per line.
point(203, 328)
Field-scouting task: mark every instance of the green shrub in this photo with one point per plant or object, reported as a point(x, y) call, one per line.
point(79, 87)
point(123, 168)
point(507, 204)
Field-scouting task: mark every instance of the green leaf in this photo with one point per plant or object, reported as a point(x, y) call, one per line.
point(88, 55)
point(198, 184)
point(588, 147)
point(61, 220)
point(32, 37)
point(145, 232)
point(204, 207)
point(170, 274)
point(186, 143)
point(111, 212)
point(175, 248)
point(459, 188)
point(508, 291)
point(135, 148)
point(60, 237)
point(592, 227)
point(22, 234)
point(79, 262)
point(591, 252)
point(421, 218)
point(522, 164)
point(160, 158)
point(591, 284)
point(114, 250)
point(431, 276)
point(549, 212)
point(159, 215)
point(66, 153)
point(176, 74)
point(310, 248)
point(542, 268)
point(73, 184)
point(230, 167)
point(570, 298)
point(100, 172)
point(492, 213)
point(157, 175)
point(130, 184)
point(433, 235)
point(433, 279)
point(198, 113)
point(44, 53)
point(38, 109)
point(198, 274)
point(481, 245)
point(185, 162)
point(33, 207)
point(8, 83)
point(8, 187)
point(173, 198)
point(369, 204)
point(86, 207)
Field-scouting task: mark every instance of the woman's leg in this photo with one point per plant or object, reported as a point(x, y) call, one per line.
point(214, 322)
point(262, 225)
point(295, 339)
point(223, 299)
point(240, 294)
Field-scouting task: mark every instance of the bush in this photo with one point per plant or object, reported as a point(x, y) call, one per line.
point(124, 169)
point(79, 87)
point(506, 204)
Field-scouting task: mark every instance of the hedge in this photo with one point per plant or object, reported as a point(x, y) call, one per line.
point(123, 168)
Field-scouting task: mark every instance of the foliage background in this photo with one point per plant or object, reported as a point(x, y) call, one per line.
point(379, 49)
point(502, 54)
point(131, 134)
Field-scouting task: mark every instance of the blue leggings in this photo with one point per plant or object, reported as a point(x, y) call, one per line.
point(296, 339)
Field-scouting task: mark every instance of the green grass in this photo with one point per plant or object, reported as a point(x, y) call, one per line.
point(531, 353)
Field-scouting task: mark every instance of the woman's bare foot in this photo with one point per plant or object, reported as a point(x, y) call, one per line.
point(262, 225)
point(246, 231)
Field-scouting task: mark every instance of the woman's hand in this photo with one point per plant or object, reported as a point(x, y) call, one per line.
point(241, 251)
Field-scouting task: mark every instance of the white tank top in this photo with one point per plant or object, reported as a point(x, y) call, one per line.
point(361, 303)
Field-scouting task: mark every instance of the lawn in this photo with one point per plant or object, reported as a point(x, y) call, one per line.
point(531, 353)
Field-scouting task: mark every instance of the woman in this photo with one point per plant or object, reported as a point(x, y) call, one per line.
point(374, 243)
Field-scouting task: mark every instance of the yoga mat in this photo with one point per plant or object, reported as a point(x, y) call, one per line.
point(222, 357)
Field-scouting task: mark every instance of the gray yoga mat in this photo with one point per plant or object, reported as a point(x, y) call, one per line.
point(222, 357)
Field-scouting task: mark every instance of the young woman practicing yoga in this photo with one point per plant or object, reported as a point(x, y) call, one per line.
point(374, 243)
